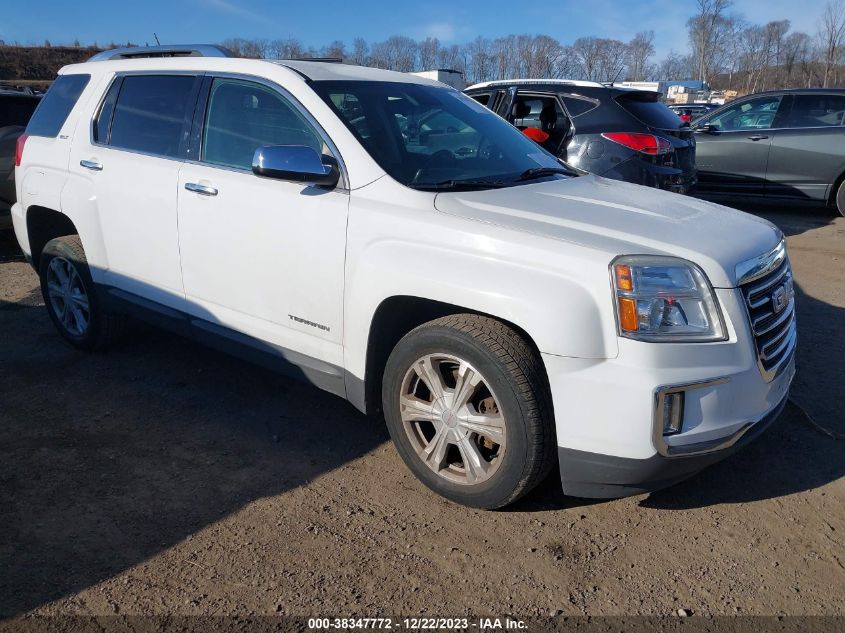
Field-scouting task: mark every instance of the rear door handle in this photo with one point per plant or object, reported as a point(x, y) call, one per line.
point(758, 137)
point(203, 190)
point(93, 165)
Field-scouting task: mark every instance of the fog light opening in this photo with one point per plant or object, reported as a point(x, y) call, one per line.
point(673, 412)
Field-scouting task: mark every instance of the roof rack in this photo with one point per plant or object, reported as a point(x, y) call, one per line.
point(176, 50)
point(326, 60)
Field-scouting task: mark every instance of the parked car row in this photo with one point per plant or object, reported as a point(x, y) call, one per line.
point(396, 243)
point(787, 145)
point(619, 133)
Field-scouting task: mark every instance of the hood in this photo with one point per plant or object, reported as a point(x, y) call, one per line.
point(623, 219)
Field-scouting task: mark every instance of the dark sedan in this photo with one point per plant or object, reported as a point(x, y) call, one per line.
point(784, 145)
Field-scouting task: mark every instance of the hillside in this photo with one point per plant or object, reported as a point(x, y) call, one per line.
point(28, 63)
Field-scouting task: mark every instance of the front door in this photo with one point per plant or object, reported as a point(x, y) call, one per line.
point(808, 152)
point(260, 256)
point(732, 156)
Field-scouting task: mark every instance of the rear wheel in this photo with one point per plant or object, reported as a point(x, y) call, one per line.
point(71, 298)
point(467, 405)
point(840, 198)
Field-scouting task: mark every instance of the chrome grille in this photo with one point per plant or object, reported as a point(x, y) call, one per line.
point(770, 300)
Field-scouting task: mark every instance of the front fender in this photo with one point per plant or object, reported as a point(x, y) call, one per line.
point(558, 293)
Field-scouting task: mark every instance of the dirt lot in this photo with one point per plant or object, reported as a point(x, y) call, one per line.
point(165, 478)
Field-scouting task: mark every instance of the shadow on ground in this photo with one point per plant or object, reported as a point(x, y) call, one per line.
point(110, 458)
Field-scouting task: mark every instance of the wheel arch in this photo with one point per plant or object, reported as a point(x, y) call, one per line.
point(44, 224)
point(835, 189)
point(394, 317)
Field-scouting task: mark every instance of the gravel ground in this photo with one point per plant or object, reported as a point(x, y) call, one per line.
point(164, 478)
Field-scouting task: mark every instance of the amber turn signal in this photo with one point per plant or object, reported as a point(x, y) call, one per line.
point(628, 314)
point(624, 281)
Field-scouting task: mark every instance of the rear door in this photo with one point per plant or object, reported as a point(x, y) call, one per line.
point(808, 152)
point(132, 157)
point(733, 156)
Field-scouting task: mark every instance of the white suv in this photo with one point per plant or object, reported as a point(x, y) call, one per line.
point(395, 243)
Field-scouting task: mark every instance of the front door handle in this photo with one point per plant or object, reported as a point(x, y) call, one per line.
point(93, 165)
point(203, 190)
point(758, 137)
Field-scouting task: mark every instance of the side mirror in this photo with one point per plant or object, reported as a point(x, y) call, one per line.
point(706, 128)
point(295, 163)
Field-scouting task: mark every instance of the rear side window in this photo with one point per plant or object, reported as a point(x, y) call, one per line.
point(52, 112)
point(16, 110)
point(816, 111)
point(646, 107)
point(483, 98)
point(151, 114)
point(577, 106)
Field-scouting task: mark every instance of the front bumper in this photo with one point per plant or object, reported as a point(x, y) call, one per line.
point(595, 476)
point(607, 411)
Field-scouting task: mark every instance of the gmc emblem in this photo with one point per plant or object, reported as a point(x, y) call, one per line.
point(780, 299)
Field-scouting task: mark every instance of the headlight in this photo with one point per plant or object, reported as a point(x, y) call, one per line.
point(664, 299)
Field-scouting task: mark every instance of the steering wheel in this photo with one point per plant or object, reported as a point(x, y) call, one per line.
point(442, 157)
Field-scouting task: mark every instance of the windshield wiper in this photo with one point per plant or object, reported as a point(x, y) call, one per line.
point(540, 172)
point(456, 185)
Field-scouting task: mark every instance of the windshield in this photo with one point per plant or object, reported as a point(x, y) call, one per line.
point(429, 137)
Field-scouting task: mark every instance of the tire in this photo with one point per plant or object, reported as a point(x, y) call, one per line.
point(74, 307)
point(840, 199)
point(484, 446)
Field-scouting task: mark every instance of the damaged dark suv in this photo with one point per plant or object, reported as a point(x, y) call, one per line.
point(619, 133)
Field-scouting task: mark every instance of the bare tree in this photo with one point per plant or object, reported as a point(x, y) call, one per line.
point(290, 48)
point(831, 36)
point(503, 57)
point(451, 58)
point(360, 51)
point(708, 30)
point(428, 50)
point(586, 52)
point(640, 50)
point(336, 49)
point(479, 54)
point(676, 67)
point(395, 53)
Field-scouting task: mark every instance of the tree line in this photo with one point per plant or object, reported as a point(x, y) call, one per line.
point(724, 49)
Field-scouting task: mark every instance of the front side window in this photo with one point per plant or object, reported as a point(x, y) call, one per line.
point(243, 116)
point(816, 111)
point(754, 114)
point(428, 136)
point(53, 111)
point(151, 114)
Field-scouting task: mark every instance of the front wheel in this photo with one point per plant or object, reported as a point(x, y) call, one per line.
point(467, 404)
point(840, 199)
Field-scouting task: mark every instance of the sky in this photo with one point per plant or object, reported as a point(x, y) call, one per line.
point(318, 23)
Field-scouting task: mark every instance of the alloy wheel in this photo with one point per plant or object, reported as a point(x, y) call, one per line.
point(453, 419)
point(68, 298)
